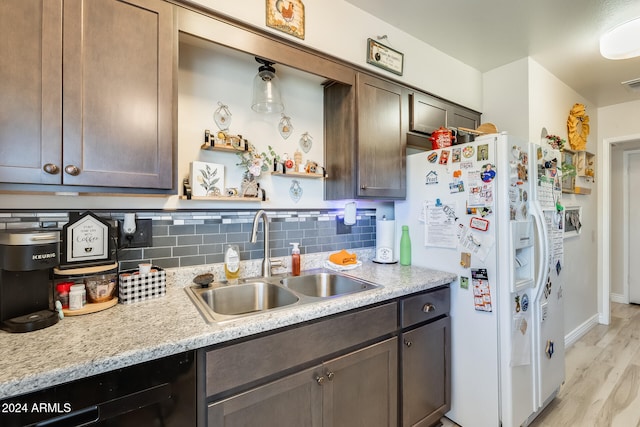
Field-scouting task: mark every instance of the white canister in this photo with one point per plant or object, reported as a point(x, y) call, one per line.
point(77, 297)
point(385, 240)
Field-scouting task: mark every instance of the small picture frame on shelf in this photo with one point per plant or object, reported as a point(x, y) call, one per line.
point(207, 179)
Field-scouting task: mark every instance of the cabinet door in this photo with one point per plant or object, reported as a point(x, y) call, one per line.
point(381, 140)
point(460, 117)
point(426, 373)
point(295, 400)
point(118, 93)
point(361, 387)
point(427, 114)
point(30, 84)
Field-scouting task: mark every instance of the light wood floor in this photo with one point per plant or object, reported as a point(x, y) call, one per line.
point(602, 381)
point(602, 385)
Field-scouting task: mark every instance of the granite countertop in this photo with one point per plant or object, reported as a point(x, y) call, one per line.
point(81, 346)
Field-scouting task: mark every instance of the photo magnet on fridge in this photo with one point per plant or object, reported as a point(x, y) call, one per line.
point(444, 157)
point(464, 282)
point(455, 155)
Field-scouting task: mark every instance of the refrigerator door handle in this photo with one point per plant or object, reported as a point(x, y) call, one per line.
point(542, 246)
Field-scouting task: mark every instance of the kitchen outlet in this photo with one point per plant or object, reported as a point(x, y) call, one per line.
point(141, 238)
point(341, 228)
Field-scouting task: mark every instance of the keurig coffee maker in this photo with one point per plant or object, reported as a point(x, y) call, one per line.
point(26, 259)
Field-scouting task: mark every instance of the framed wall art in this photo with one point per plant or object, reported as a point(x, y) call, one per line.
point(384, 57)
point(572, 221)
point(286, 16)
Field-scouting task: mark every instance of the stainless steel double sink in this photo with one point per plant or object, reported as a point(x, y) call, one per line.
point(219, 302)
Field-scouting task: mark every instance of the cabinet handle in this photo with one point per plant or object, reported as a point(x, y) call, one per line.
point(330, 375)
point(72, 170)
point(428, 308)
point(51, 169)
point(320, 380)
point(363, 187)
point(408, 343)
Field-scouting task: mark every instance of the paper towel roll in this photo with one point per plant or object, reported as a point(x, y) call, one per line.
point(385, 240)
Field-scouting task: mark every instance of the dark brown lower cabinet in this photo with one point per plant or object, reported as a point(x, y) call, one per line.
point(380, 366)
point(426, 367)
point(357, 389)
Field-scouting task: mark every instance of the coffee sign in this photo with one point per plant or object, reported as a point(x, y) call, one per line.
point(86, 240)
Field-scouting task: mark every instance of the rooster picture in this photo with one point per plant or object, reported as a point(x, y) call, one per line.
point(286, 9)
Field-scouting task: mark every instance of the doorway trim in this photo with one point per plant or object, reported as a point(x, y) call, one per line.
point(626, 288)
point(604, 225)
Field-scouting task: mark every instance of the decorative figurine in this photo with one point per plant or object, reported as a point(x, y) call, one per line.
point(297, 160)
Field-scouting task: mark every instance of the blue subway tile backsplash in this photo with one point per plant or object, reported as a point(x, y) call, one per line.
point(188, 238)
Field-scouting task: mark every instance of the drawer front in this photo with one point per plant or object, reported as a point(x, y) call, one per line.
point(425, 306)
point(240, 364)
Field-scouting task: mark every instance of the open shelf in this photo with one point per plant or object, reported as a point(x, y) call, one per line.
point(224, 148)
point(225, 198)
point(299, 175)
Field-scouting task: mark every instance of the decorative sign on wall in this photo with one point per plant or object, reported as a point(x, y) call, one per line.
point(286, 16)
point(384, 57)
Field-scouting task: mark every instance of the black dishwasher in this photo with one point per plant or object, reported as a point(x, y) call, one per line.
point(161, 392)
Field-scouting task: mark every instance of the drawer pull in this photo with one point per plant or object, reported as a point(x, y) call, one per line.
point(408, 343)
point(428, 308)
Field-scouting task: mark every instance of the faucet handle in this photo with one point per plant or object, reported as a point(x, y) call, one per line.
point(277, 263)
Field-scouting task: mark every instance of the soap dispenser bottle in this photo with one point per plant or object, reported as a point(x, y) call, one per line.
point(295, 259)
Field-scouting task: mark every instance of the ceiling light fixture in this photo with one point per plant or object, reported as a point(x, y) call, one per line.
point(622, 41)
point(266, 89)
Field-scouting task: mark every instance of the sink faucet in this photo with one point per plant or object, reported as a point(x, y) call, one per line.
point(266, 262)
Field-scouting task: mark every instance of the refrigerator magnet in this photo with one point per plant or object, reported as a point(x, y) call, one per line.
point(465, 262)
point(483, 152)
point(432, 157)
point(468, 151)
point(431, 178)
point(488, 172)
point(524, 302)
point(479, 224)
point(456, 186)
point(464, 282)
point(455, 155)
point(444, 157)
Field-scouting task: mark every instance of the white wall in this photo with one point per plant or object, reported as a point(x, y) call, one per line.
point(522, 98)
point(209, 74)
point(342, 30)
point(506, 98)
point(617, 122)
point(550, 101)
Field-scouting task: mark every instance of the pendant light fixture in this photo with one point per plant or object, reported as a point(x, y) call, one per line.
point(622, 41)
point(266, 89)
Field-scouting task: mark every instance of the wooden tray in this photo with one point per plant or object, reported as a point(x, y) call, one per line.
point(91, 308)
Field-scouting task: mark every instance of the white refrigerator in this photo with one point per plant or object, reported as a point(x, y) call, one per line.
point(491, 212)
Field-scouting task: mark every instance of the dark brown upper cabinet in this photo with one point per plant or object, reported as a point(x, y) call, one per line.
point(90, 93)
point(365, 140)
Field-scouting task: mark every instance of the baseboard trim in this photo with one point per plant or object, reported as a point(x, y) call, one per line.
point(577, 333)
point(619, 298)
